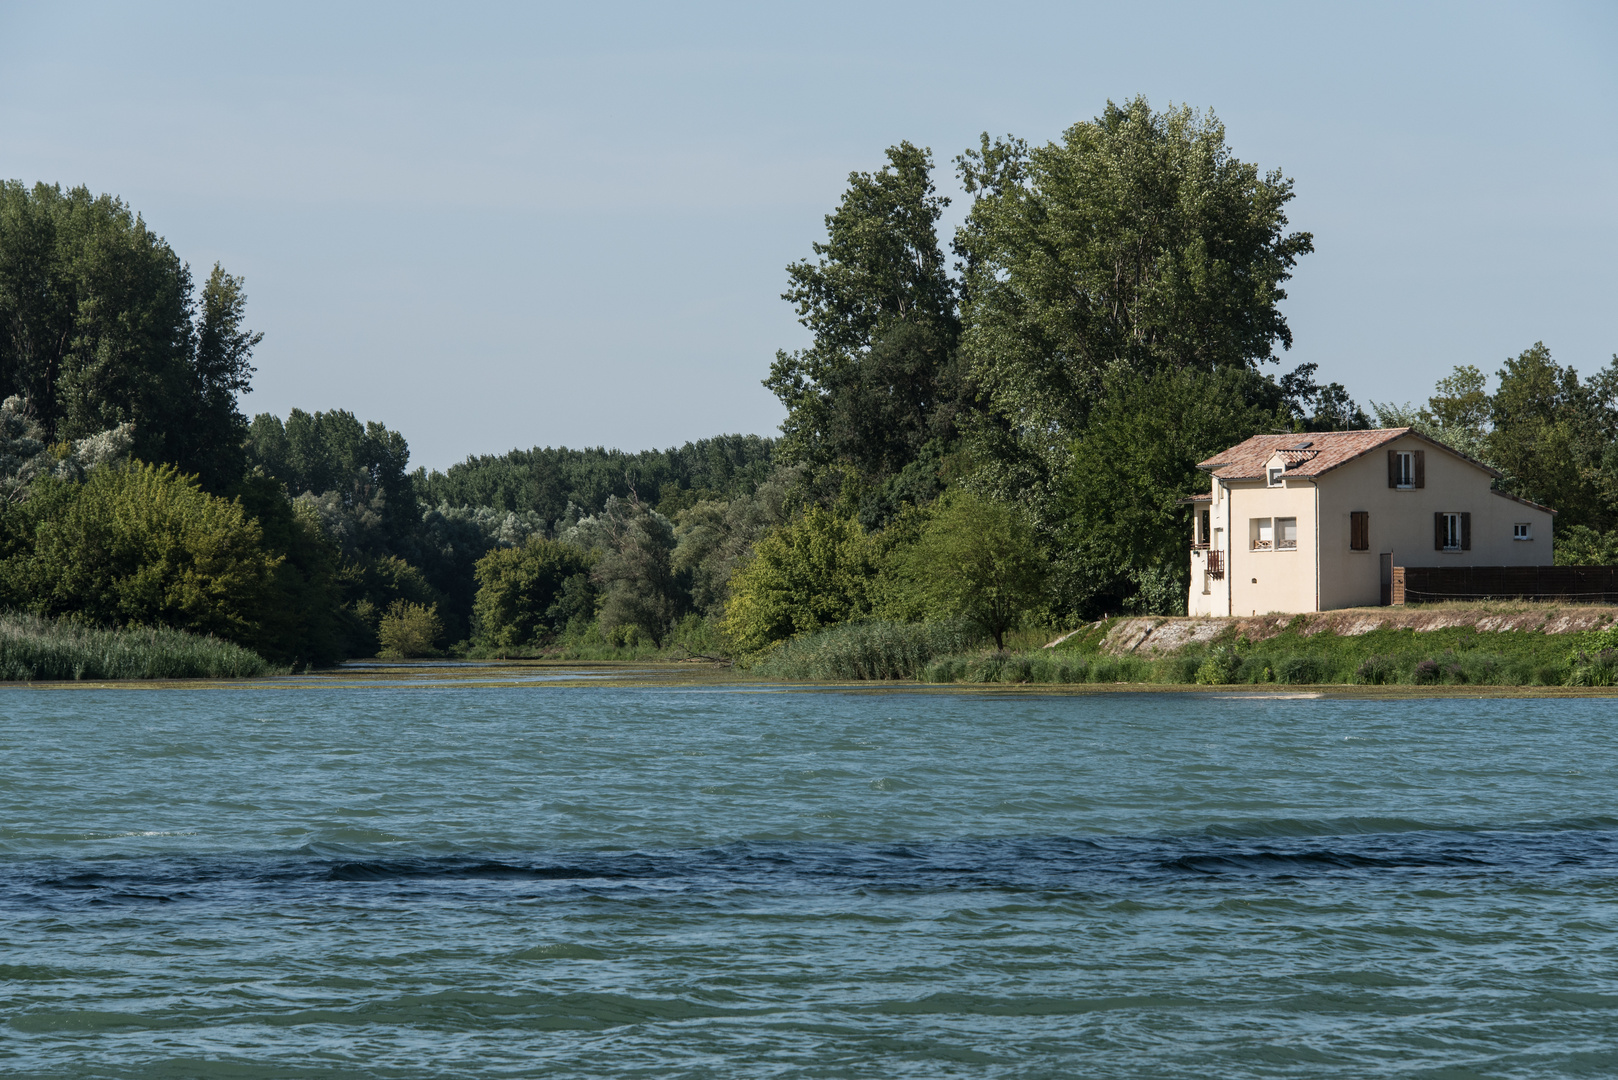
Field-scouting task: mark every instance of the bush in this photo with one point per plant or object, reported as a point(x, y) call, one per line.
point(1377, 671)
point(1427, 673)
point(1300, 670)
point(1221, 666)
point(410, 630)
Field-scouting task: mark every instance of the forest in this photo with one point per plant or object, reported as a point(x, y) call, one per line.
point(990, 440)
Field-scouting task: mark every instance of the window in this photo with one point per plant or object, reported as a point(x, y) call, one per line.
point(1452, 532)
point(1286, 534)
point(1204, 535)
point(1359, 531)
point(1407, 469)
point(1520, 531)
point(1263, 534)
point(1275, 476)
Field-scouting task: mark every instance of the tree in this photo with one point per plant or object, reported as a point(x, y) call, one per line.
point(634, 567)
point(812, 572)
point(1122, 528)
point(979, 560)
point(141, 544)
point(1549, 435)
point(99, 328)
point(881, 379)
point(1139, 242)
point(522, 591)
point(410, 630)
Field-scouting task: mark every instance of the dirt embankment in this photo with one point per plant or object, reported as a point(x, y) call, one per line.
point(1156, 635)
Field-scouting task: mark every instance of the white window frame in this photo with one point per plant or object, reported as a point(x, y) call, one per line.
point(1406, 470)
point(1452, 531)
point(1255, 534)
point(1522, 530)
point(1281, 542)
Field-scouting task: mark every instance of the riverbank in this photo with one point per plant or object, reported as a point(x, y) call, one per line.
point(1454, 645)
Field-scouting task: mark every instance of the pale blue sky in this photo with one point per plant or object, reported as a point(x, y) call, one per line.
point(506, 226)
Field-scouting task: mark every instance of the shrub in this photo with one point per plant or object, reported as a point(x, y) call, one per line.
point(1300, 670)
point(410, 630)
point(1427, 673)
point(1377, 671)
point(1221, 666)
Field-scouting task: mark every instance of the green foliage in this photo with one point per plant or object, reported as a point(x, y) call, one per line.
point(864, 650)
point(98, 328)
point(1219, 667)
point(977, 560)
point(302, 619)
point(33, 648)
point(524, 594)
point(634, 569)
point(1121, 528)
point(813, 572)
point(1138, 242)
point(139, 545)
point(881, 379)
point(410, 630)
point(1580, 545)
point(547, 481)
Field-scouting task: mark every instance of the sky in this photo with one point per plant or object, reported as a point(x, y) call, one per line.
point(494, 227)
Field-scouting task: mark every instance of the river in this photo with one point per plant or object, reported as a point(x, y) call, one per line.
point(297, 879)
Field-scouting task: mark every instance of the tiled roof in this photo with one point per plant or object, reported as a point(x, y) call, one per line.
point(1311, 453)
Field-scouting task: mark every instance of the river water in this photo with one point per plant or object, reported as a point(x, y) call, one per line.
point(707, 881)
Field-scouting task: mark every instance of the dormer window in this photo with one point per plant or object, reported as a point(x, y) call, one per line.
point(1406, 469)
point(1275, 476)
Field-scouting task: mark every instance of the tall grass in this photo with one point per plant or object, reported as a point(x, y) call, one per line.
point(36, 649)
point(864, 650)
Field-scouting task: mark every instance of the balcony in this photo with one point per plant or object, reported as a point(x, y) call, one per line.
point(1216, 565)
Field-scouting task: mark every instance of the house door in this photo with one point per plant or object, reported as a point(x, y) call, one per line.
point(1387, 578)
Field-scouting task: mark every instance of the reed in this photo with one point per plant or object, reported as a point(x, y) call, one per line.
point(33, 649)
point(864, 650)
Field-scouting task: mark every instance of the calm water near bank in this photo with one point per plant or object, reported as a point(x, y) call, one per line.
point(399, 878)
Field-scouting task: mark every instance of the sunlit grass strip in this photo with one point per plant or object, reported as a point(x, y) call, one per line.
point(36, 649)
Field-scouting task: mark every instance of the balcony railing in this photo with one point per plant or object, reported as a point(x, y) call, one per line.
point(1216, 564)
point(1286, 545)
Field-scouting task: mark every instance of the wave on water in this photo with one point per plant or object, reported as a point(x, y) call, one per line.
point(1294, 851)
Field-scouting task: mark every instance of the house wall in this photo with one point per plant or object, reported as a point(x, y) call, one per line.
point(1401, 522)
point(1271, 580)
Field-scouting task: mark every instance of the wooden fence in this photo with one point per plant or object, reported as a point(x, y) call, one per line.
point(1414, 584)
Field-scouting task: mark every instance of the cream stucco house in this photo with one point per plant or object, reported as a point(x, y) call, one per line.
point(1313, 522)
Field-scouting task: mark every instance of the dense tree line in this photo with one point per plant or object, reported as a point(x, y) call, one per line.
point(992, 437)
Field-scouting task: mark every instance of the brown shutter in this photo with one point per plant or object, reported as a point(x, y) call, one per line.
point(1466, 531)
point(1438, 531)
point(1359, 538)
point(1419, 462)
point(1393, 468)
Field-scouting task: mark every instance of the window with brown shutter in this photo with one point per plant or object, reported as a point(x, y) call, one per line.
point(1438, 531)
point(1393, 468)
point(1359, 531)
point(1421, 467)
point(1466, 531)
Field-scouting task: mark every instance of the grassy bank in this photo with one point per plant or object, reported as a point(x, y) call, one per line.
point(36, 649)
point(1451, 656)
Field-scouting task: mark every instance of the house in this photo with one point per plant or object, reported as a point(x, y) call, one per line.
point(1317, 521)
